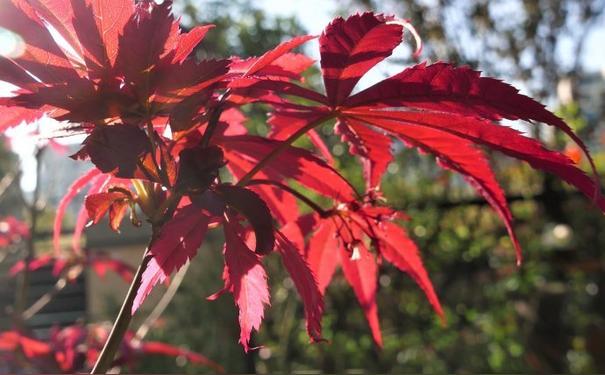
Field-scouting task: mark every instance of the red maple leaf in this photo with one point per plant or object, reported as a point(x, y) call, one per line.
point(161, 125)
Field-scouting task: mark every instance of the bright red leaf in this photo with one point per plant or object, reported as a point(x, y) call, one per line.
point(178, 242)
point(247, 281)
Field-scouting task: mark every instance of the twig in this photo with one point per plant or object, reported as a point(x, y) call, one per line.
point(163, 304)
point(6, 182)
point(314, 206)
point(45, 299)
point(281, 148)
point(215, 116)
point(21, 290)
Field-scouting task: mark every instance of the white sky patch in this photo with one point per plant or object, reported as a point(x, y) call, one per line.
point(24, 141)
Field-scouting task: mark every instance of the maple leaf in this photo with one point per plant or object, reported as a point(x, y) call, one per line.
point(117, 60)
point(251, 206)
point(305, 282)
point(116, 201)
point(429, 106)
point(247, 280)
point(117, 149)
point(295, 163)
point(340, 238)
point(178, 242)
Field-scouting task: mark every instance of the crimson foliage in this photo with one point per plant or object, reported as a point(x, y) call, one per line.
point(162, 125)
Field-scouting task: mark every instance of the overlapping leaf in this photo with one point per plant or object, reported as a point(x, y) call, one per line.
point(178, 242)
point(247, 281)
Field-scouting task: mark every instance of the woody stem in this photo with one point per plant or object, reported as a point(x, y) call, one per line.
point(122, 321)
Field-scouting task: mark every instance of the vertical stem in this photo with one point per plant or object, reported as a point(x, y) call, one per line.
point(122, 321)
point(23, 282)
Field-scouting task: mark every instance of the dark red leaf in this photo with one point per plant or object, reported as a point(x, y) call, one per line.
point(500, 138)
point(255, 210)
point(285, 123)
point(188, 41)
point(374, 147)
point(176, 82)
point(459, 155)
point(150, 33)
point(117, 149)
point(445, 88)
point(323, 253)
point(198, 168)
point(283, 206)
point(249, 89)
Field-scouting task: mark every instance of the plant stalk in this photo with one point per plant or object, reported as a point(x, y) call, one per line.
point(123, 319)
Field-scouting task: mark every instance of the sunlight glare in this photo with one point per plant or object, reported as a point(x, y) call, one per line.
point(11, 44)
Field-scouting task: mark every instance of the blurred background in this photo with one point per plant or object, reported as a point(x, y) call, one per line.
point(546, 316)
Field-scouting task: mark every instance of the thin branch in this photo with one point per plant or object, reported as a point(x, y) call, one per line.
point(162, 304)
point(22, 285)
point(215, 116)
point(45, 299)
point(479, 201)
point(314, 206)
point(6, 182)
point(281, 148)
